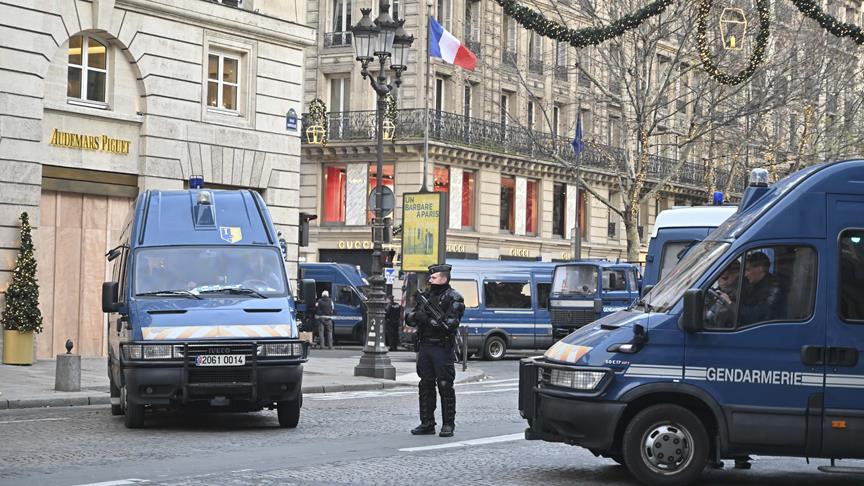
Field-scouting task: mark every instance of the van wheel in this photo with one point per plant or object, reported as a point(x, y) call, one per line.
point(116, 408)
point(288, 413)
point(134, 418)
point(495, 348)
point(665, 445)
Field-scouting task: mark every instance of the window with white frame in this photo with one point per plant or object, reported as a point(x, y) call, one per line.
point(87, 77)
point(223, 81)
point(340, 104)
point(445, 9)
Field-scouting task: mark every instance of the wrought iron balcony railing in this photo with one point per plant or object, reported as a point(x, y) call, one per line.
point(496, 137)
point(535, 65)
point(338, 39)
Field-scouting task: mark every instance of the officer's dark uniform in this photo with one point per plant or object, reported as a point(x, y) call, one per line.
point(436, 340)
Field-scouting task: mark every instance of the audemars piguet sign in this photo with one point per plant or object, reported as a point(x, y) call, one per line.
point(99, 143)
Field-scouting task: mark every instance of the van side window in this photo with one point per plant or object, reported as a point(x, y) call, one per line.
point(614, 280)
point(543, 291)
point(670, 256)
point(507, 295)
point(346, 296)
point(851, 287)
point(468, 289)
point(774, 283)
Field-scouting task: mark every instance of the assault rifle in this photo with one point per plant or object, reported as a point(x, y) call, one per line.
point(460, 351)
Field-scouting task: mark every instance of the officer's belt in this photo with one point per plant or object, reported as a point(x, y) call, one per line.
point(434, 340)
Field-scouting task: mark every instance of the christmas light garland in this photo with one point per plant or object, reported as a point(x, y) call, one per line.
point(318, 116)
point(756, 58)
point(588, 36)
point(840, 29)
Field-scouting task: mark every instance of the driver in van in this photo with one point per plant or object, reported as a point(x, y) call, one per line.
point(721, 313)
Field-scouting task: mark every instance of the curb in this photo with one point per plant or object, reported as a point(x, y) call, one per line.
point(104, 398)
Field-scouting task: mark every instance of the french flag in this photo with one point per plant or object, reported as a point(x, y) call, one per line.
point(443, 45)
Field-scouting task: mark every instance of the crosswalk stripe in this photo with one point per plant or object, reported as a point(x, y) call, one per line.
point(467, 443)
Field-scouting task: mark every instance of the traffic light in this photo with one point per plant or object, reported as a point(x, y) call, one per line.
point(303, 230)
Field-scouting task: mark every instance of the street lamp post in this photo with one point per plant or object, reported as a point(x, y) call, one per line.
point(386, 40)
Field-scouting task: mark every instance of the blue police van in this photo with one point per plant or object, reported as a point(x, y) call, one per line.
point(586, 290)
point(751, 345)
point(348, 289)
point(675, 231)
point(200, 310)
point(506, 305)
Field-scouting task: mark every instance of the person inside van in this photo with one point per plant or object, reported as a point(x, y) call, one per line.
point(721, 312)
point(763, 294)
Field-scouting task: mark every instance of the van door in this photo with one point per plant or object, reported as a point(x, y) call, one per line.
point(615, 294)
point(348, 311)
point(542, 318)
point(508, 309)
point(844, 370)
point(751, 355)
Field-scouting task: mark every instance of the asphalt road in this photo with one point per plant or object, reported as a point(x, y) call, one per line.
point(343, 438)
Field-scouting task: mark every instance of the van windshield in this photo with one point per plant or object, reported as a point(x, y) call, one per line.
point(575, 280)
point(209, 271)
point(684, 275)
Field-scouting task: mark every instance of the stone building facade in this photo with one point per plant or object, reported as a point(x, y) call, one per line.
point(103, 99)
point(508, 198)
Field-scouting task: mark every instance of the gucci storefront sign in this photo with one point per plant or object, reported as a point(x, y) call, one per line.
point(354, 245)
point(99, 143)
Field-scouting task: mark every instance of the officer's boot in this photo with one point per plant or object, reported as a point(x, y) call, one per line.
point(448, 407)
point(427, 409)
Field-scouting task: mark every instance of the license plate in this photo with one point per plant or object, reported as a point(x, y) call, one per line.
point(220, 360)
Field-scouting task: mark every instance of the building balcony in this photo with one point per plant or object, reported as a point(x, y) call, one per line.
point(337, 39)
point(453, 128)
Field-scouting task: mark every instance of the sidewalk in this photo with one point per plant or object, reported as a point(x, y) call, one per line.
point(33, 386)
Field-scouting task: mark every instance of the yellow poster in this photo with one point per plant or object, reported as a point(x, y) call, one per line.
point(423, 233)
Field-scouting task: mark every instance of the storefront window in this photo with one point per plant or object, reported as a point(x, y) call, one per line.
point(387, 177)
point(334, 194)
point(559, 210)
point(441, 178)
point(531, 207)
point(467, 199)
point(508, 198)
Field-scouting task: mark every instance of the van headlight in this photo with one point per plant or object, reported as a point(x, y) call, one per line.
point(280, 350)
point(151, 351)
point(576, 379)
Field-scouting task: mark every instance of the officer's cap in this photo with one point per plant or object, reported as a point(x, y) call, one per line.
point(439, 267)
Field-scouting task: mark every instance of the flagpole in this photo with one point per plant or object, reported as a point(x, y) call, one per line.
point(425, 187)
point(577, 238)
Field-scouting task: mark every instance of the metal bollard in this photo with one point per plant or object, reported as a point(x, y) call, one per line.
point(67, 375)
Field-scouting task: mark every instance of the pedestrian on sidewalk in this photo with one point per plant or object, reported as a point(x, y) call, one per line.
point(391, 324)
point(436, 315)
point(324, 312)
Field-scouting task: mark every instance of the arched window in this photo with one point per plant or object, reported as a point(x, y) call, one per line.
point(88, 69)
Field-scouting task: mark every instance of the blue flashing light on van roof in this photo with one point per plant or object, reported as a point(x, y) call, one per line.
point(751, 344)
point(718, 198)
point(196, 182)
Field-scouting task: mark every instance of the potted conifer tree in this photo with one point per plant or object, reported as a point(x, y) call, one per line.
point(21, 316)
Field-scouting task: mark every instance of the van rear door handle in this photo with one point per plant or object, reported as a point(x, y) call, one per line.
point(813, 355)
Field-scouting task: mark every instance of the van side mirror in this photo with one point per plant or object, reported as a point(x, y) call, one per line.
point(110, 297)
point(646, 289)
point(693, 317)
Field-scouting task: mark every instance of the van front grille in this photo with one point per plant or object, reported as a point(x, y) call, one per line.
point(572, 317)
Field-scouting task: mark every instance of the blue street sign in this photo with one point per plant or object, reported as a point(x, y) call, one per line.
point(291, 120)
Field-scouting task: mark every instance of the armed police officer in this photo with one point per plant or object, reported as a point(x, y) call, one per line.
point(436, 316)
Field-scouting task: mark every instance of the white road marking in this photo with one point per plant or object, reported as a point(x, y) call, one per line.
point(119, 482)
point(468, 443)
point(32, 420)
point(496, 390)
point(488, 382)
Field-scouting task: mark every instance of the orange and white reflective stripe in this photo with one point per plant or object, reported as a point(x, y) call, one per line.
point(226, 331)
point(567, 353)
